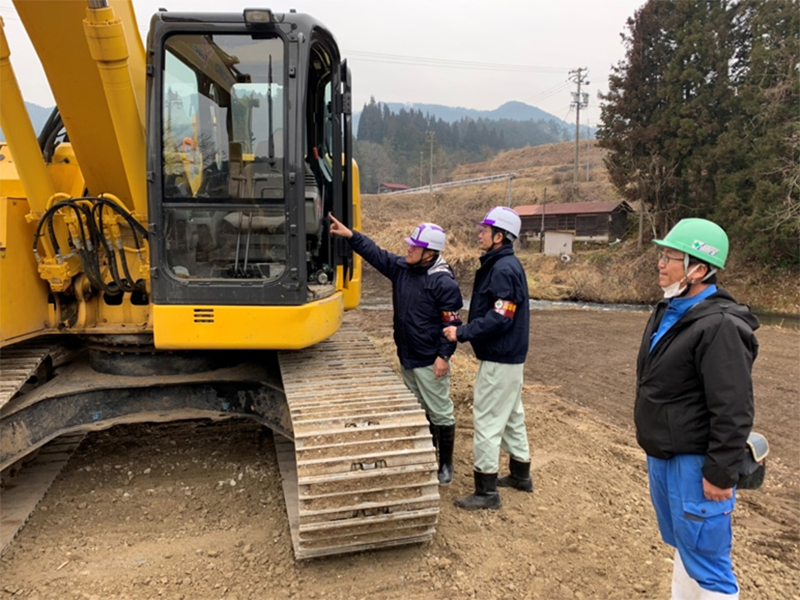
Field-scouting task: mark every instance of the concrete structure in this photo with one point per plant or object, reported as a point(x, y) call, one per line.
point(558, 243)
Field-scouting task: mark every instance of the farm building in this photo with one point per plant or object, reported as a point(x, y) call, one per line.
point(589, 221)
point(391, 187)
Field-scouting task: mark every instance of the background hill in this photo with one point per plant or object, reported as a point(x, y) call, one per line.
point(616, 273)
point(412, 147)
point(38, 115)
point(515, 111)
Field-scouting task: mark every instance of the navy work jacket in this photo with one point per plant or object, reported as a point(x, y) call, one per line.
point(497, 335)
point(425, 300)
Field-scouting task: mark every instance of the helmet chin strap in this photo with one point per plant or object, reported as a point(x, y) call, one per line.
point(686, 273)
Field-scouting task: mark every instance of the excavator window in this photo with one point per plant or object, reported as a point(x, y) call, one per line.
point(223, 153)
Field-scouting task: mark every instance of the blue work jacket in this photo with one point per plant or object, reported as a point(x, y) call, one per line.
point(425, 300)
point(497, 333)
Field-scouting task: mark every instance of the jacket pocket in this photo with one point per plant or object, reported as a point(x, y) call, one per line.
point(706, 526)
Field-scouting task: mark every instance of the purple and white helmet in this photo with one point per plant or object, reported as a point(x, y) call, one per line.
point(503, 218)
point(428, 235)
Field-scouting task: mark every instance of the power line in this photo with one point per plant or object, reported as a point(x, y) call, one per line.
point(449, 63)
point(538, 97)
point(579, 101)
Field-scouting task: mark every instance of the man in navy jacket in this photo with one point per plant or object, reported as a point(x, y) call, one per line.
point(425, 298)
point(498, 329)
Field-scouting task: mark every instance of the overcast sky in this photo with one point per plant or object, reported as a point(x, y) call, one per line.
point(470, 53)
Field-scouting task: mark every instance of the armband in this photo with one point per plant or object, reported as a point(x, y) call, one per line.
point(505, 308)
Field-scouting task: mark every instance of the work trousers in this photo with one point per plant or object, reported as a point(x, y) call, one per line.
point(498, 416)
point(700, 529)
point(432, 394)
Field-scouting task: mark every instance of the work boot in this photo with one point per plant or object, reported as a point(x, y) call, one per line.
point(447, 439)
point(485, 496)
point(519, 478)
point(432, 429)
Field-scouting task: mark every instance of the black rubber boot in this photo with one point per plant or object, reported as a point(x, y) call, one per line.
point(432, 429)
point(485, 496)
point(447, 439)
point(519, 478)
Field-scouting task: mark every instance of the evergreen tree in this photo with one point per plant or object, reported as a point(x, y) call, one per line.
point(701, 118)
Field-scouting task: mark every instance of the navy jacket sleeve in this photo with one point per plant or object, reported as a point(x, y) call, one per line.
point(725, 361)
point(448, 299)
point(500, 287)
point(383, 261)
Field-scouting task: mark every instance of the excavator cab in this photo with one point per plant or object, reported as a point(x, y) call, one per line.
point(246, 116)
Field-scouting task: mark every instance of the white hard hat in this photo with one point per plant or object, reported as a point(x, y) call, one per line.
point(428, 235)
point(503, 218)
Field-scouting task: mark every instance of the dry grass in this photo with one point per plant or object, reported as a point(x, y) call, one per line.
point(599, 273)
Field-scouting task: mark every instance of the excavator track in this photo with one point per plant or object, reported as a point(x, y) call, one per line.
point(21, 362)
point(361, 470)
point(23, 491)
point(26, 483)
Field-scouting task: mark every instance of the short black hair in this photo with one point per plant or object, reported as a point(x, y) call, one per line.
point(508, 239)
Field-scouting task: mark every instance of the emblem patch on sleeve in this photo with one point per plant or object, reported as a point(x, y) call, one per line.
point(449, 316)
point(505, 308)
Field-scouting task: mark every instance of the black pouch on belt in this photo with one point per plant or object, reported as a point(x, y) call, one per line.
point(754, 463)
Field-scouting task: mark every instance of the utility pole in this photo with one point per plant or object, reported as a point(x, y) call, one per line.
point(421, 152)
point(431, 136)
point(541, 233)
point(588, 147)
point(510, 192)
point(579, 101)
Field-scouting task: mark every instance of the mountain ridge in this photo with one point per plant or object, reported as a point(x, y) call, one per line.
point(513, 110)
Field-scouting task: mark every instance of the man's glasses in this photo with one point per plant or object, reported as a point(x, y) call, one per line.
point(665, 258)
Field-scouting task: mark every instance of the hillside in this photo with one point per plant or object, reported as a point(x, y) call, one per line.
point(517, 111)
point(597, 273)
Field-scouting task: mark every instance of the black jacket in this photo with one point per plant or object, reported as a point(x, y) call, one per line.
point(425, 300)
point(495, 337)
point(694, 389)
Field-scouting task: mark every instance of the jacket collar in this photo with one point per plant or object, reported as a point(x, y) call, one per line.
point(719, 302)
point(492, 255)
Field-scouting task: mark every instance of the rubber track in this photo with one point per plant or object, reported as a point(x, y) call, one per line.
point(361, 470)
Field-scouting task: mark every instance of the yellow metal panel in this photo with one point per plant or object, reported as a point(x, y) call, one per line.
point(352, 289)
point(23, 294)
point(60, 42)
point(195, 327)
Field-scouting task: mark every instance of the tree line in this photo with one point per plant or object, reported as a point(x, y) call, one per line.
point(396, 147)
point(702, 119)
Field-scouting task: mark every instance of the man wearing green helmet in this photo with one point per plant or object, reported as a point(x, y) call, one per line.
point(694, 407)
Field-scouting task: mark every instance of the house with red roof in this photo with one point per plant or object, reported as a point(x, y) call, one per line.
point(587, 221)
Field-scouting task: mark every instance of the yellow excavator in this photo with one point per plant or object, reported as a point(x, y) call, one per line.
point(164, 256)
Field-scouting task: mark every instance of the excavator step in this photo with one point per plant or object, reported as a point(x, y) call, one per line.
point(361, 471)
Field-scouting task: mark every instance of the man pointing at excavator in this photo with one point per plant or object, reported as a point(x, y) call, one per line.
point(425, 298)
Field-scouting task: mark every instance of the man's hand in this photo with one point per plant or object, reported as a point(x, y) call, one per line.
point(712, 492)
point(450, 333)
point(440, 367)
point(338, 229)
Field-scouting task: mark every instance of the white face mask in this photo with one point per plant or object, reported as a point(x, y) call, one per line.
point(674, 290)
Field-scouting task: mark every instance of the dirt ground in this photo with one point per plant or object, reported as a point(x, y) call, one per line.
point(195, 510)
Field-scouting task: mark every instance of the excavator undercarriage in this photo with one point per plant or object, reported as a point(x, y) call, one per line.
point(354, 450)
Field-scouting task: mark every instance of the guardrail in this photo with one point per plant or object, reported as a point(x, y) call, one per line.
point(438, 186)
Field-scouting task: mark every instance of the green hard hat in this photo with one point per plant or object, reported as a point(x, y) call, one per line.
point(699, 238)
